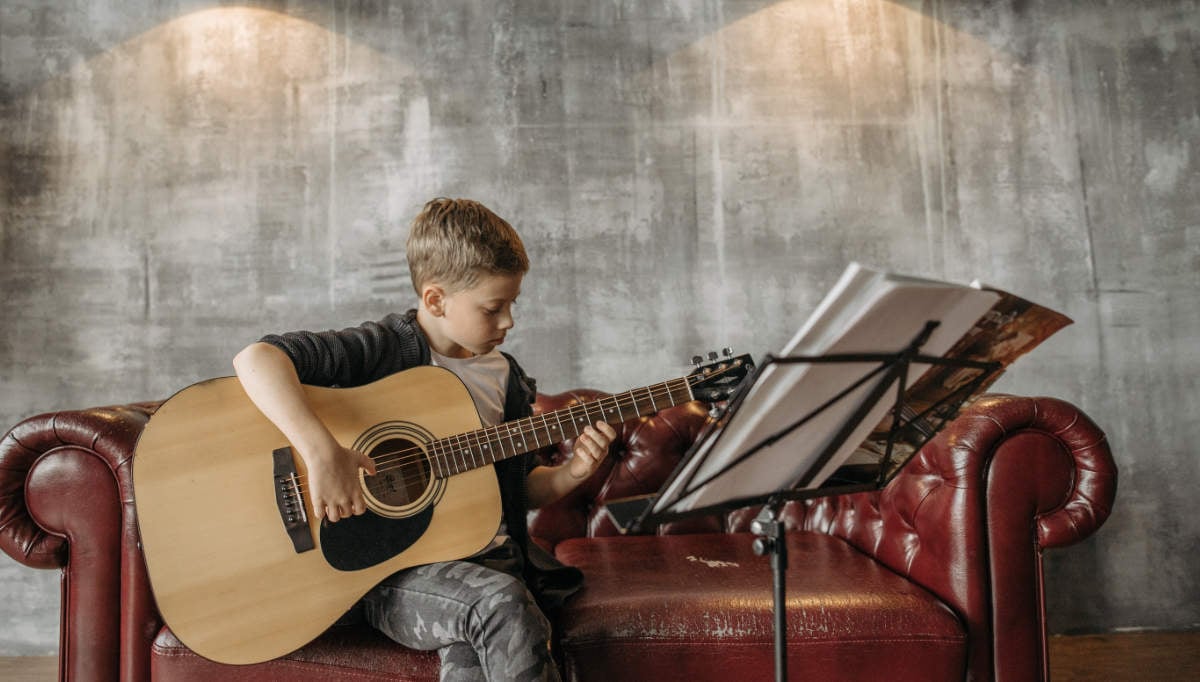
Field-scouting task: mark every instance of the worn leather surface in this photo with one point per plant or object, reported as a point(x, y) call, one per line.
point(687, 606)
point(964, 525)
point(344, 652)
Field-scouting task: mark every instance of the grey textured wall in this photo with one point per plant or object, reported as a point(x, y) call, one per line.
point(178, 177)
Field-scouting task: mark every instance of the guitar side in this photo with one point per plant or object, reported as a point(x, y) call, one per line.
point(225, 574)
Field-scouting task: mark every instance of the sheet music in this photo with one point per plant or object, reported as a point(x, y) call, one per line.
point(867, 311)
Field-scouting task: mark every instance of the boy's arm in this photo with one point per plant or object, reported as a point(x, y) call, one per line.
point(547, 484)
point(270, 380)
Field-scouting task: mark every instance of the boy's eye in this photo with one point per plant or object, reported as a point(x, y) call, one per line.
point(497, 309)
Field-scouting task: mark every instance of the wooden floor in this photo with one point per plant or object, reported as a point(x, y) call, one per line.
point(1141, 657)
point(1148, 657)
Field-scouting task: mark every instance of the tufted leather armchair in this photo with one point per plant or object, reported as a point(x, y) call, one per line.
point(938, 576)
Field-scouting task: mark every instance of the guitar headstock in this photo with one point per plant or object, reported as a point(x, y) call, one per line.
point(717, 380)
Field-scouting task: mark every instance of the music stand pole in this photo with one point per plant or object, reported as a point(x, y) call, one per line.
point(771, 540)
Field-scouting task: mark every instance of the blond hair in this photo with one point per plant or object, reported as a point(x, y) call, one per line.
point(455, 241)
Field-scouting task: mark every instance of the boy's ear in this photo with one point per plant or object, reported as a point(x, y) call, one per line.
point(433, 297)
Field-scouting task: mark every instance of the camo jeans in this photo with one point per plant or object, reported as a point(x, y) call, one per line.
point(483, 621)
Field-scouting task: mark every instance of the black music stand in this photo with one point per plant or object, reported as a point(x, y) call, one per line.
point(910, 428)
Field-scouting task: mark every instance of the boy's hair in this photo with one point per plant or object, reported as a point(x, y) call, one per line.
point(455, 241)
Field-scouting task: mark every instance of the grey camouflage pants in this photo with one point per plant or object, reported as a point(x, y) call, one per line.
point(483, 621)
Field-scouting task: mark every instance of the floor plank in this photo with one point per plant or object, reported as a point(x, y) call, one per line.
point(29, 669)
point(1126, 657)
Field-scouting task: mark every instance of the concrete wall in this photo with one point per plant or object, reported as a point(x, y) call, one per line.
point(178, 177)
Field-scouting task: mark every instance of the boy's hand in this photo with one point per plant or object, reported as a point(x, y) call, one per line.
point(590, 449)
point(333, 483)
point(549, 483)
point(272, 384)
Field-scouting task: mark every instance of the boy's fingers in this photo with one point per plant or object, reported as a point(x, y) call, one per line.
point(318, 504)
point(590, 440)
point(608, 432)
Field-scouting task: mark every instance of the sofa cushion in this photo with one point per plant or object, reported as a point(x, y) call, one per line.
point(344, 652)
point(699, 607)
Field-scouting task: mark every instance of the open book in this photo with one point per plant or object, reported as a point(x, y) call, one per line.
point(1012, 327)
point(810, 423)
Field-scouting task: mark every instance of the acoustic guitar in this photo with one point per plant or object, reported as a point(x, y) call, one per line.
point(241, 569)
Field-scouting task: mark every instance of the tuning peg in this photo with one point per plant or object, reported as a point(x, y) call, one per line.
point(712, 355)
point(697, 360)
point(727, 352)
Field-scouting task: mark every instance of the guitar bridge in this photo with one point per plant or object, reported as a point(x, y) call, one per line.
point(291, 502)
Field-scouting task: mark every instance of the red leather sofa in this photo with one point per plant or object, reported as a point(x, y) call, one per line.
point(936, 577)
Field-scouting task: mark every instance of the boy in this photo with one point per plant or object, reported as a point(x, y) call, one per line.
point(466, 265)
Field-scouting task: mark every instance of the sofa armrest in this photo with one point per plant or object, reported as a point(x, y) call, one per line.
point(969, 517)
point(66, 502)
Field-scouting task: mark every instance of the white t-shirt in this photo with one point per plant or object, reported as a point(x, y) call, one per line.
point(486, 379)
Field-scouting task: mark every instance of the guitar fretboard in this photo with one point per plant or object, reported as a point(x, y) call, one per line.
point(467, 451)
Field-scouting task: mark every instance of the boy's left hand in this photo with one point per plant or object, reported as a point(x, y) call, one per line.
point(590, 449)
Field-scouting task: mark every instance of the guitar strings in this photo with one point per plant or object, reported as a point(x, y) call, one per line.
point(521, 428)
point(518, 432)
point(401, 458)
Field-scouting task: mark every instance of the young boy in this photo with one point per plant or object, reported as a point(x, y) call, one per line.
point(466, 265)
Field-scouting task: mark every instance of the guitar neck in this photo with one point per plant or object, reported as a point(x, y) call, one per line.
point(467, 451)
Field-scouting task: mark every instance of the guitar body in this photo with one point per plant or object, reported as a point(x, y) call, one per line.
point(229, 579)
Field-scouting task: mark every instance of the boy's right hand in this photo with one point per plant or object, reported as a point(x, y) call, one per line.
point(271, 382)
point(333, 483)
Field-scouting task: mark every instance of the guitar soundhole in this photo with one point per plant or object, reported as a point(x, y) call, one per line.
point(402, 473)
point(405, 481)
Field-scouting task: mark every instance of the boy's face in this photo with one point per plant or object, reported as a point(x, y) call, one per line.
point(470, 321)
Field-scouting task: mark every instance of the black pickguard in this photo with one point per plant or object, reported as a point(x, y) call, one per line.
point(359, 542)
